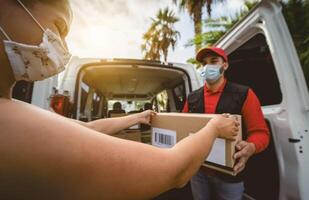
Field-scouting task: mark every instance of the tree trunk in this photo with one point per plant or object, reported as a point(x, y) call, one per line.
point(197, 18)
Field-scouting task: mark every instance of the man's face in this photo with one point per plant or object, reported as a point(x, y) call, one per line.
point(213, 60)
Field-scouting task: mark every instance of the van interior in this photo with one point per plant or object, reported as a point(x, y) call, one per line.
point(113, 90)
point(134, 84)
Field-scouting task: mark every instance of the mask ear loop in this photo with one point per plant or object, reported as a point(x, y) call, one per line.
point(221, 69)
point(26, 9)
point(4, 33)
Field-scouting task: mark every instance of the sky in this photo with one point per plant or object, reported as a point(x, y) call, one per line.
point(114, 28)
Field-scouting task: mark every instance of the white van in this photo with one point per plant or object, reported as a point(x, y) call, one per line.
point(261, 55)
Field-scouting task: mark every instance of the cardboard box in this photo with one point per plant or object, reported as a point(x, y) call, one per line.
point(133, 135)
point(169, 128)
point(146, 136)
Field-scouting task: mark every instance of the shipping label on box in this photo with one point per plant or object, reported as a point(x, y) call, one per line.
point(169, 128)
point(163, 138)
point(218, 152)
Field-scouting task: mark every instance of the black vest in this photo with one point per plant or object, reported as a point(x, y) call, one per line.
point(231, 101)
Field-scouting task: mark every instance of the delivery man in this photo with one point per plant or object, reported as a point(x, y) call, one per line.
point(218, 95)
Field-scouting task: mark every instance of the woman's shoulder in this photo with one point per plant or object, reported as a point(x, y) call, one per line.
point(22, 121)
point(8, 105)
point(13, 106)
point(16, 114)
point(19, 117)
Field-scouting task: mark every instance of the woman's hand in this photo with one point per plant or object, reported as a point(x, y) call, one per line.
point(226, 126)
point(145, 117)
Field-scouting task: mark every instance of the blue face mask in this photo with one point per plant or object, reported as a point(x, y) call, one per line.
point(212, 73)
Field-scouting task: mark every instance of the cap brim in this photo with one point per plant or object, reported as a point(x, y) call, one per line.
point(202, 53)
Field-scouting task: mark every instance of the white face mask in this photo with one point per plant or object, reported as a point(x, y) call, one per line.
point(212, 73)
point(31, 62)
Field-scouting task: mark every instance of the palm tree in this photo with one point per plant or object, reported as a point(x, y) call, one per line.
point(195, 10)
point(150, 47)
point(160, 36)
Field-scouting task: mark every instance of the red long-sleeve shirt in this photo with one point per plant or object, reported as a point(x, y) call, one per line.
point(251, 112)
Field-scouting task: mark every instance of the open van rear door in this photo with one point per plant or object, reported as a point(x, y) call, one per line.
point(262, 55)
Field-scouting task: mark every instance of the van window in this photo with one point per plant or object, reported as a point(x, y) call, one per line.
point(252, 65)
point(130, 106)
point(297, 17)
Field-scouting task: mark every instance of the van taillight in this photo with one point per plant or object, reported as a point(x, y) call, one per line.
point(61, 104)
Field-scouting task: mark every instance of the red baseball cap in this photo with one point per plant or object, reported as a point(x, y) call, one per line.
point(204, 51)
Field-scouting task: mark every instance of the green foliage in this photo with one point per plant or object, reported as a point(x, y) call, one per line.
point(193, 6)
point(193, 61)
point(216, 28)
point(160, 36)
point(195, 10)
point(297, 17)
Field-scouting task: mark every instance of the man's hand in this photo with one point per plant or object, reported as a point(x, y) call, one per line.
point(245, 151)
point(145, 117)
